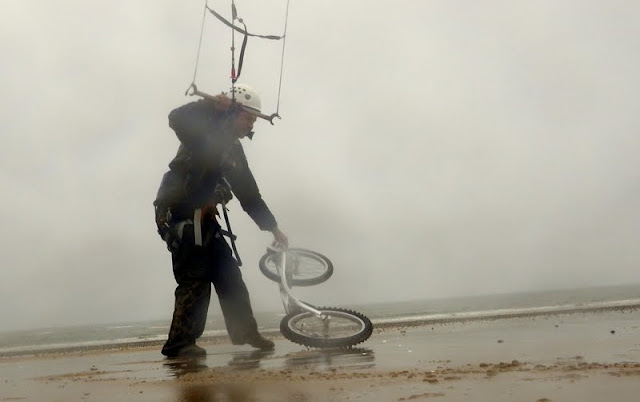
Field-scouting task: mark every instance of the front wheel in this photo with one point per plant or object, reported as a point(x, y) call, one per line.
point(304, 267)
point(338, 328)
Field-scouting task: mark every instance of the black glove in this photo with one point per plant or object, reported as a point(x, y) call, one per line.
point(222, 193)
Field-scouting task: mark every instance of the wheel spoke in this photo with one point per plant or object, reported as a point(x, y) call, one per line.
point(304, 267)
point(337, 325)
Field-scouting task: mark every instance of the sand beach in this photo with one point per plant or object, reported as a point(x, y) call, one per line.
point(573, 356)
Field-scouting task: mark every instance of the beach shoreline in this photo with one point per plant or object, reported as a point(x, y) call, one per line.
point(583, 356)
point(405, 322)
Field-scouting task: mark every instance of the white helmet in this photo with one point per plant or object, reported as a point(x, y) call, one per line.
point(247, 97)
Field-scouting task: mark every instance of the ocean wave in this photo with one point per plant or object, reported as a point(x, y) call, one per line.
point(510, 312)
point(52, 347)
point(89, 345)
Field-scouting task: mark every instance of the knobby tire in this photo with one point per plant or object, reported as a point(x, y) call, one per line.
point(316, 341)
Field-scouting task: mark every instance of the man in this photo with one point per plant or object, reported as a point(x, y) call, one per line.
point(209, 163)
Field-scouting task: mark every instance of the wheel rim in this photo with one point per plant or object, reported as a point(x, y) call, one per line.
point(300, 266)
point(340, 325)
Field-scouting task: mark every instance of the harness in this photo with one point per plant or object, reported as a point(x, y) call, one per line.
point(172, 233)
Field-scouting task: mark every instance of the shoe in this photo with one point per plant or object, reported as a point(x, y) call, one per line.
point(260, 342)
point(188, 351)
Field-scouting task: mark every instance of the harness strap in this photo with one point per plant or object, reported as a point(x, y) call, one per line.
point(229, 233)
point(197, 227)
point(180, 227)
point(241, 60)
point(197, 230)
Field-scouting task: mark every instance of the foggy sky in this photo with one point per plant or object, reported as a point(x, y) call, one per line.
point(429, 149)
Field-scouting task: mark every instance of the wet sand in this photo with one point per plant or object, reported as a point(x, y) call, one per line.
point(592, 356)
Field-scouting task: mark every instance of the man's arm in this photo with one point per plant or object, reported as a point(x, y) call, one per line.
point(200, 128)
point(246, 190)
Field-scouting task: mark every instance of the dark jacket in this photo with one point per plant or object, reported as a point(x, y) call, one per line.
point(208, 151)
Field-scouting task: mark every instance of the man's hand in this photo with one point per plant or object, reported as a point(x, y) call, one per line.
point(280, 238)
point(222, 193)
point(223, 102)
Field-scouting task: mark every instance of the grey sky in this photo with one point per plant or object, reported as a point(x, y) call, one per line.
point(430, 149)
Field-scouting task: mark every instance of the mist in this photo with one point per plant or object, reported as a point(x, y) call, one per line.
point(429, 149)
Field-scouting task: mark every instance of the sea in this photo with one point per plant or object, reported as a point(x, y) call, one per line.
point(100, 336)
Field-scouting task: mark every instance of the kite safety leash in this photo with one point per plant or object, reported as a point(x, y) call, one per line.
point(235, 74)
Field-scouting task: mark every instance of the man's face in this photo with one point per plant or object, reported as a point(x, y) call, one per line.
point(244, 123)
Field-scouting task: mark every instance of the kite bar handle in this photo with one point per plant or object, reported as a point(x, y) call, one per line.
point(193, 90)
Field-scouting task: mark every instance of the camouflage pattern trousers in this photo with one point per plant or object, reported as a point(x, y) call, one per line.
point(195, 268)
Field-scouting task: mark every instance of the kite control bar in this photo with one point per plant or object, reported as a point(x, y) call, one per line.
point(193, 90)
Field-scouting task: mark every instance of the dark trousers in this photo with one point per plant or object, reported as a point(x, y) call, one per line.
point(195, 268)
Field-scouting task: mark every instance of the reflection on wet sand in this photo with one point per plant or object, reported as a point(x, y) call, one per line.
point(218, 392)
point(249, 360)
point(317, 359)
point(178, 367)
point(251, 380)
point(325, 359)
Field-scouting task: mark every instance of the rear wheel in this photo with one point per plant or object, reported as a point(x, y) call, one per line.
point(304, 267)
point(338, 328)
